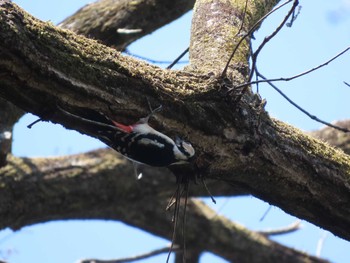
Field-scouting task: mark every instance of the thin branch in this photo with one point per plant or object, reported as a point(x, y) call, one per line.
point(268, 38)
point(175, 218)
point(186, 189)
point(208, 191)
point(265, 213)
point(244, 13)
point(283, 230)
point(131, 259)
point(347, 84)
point(252, 70)
point(176, 61)
point(33, 123)
point(294, 17)
point(252, 29)
point(320, 243)
point(150, 60)
point(300, 108)
point(298, 75)
point(269, 81)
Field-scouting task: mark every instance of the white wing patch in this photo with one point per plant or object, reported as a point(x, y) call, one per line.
point(146, 141)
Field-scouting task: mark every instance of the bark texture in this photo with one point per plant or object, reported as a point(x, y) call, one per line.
point(9, 116)
point(220, 24)
point(334, 137)
point(44, 68)
point(118, 23)
point(88, 186)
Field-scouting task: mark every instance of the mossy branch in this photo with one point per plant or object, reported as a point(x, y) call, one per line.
point(119, 23)
point(101, 185)
point(236, 142)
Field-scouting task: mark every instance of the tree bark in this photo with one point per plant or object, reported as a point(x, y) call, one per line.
point(236, 142)
point(9, 116)
point(334, 137)
point(96, 20)
point(101, 185)
point(216, 27)
point(118, 23)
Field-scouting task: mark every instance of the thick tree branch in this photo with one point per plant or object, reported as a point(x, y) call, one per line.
point(238, 143)
point(118, 23)
point(218, 23)
point(97, 20)
point(21, 204)
point(334, 137)
point(8, 117)
point(99, 185)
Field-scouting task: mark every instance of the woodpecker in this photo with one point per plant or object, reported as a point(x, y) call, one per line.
point(141, 143)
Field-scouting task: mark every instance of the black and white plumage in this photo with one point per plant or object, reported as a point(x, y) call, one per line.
point(141, 143)
point(138, 142)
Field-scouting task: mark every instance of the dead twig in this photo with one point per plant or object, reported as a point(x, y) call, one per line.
point(320, 243)
point(178, 58)
point(268, 38)
point(298, 107)
point(154, 61)
point(298, 75)
point(133, 258)
point(283, 230)
point(249, 33)
point(294, 17)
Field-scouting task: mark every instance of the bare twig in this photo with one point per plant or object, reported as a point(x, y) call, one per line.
point(298, 75)
point(265, 213)
point(244, 13)
point(33, 123)
point(320, 243)
point(294, 17)
point(251, 30)
point(178, 58)
point(186, 189)
point(252, 70)
point(283, 230)
point(347, 84)
point(268, 38)
point(207, 189)
point(131, 259)
point(172, 63)
point(176, 217)
point(300, 108)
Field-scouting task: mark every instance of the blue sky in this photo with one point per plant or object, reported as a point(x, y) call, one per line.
point(320, 32)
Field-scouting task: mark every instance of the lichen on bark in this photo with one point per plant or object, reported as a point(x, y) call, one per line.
point(236, 141)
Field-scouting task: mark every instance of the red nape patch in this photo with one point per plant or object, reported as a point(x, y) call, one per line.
point(123, 127)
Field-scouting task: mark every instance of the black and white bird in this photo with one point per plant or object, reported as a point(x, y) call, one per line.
point(141, 143)
point(138, 142)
